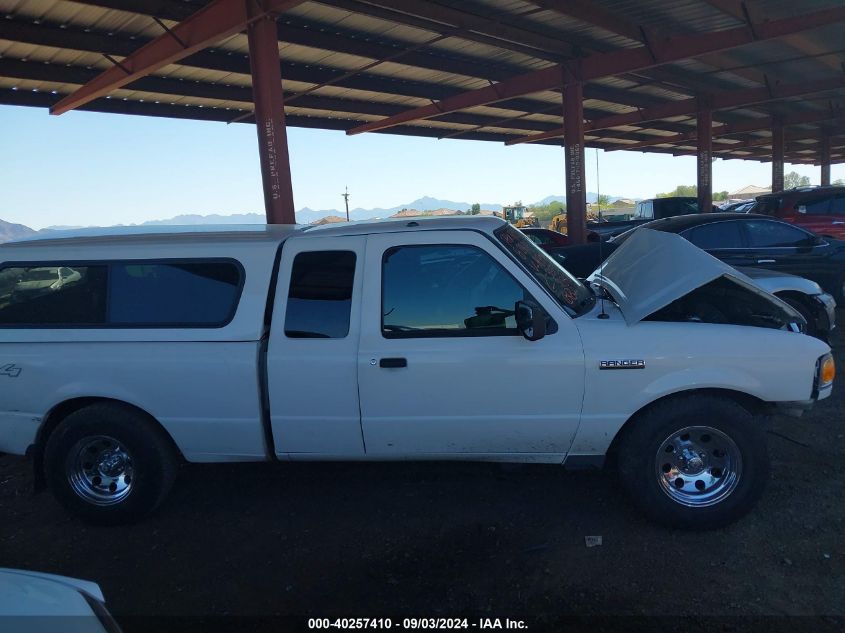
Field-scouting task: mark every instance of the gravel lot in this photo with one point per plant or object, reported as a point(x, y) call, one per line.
point(453, 540)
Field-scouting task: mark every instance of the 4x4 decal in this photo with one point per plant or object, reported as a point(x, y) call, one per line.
point(10, 370)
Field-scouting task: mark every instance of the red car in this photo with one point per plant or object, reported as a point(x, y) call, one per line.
point(817, 209)
point(547, 239)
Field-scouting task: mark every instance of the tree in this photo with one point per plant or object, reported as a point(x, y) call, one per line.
point(680, 190)
point(546, 212)
point(794, 179)
point(720, 195)
point(839, 182)
point(603, 201)
point(475, 209)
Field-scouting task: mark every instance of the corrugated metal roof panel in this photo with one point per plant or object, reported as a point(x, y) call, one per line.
point(527, 37)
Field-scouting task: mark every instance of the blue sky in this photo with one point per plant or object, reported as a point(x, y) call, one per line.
point(100, 169)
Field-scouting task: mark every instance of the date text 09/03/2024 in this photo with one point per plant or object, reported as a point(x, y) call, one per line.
point(417, 624)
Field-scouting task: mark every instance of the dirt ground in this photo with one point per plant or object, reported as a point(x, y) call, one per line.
point(454, 540)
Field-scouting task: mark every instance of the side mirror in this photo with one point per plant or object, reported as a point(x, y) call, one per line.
point(530, 320)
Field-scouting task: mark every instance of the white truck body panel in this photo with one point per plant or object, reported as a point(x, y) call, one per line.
point(680, 357)
point(472, 397)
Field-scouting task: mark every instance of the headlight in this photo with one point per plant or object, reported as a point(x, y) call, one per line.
point(827, 371)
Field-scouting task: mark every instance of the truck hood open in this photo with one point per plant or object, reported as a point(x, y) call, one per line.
point(651, 269)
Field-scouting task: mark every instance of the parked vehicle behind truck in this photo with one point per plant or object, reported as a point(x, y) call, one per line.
point(379, 341)
point(783, 259)
point(646, 211)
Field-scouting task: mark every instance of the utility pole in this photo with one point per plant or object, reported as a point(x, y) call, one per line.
point(346, 200)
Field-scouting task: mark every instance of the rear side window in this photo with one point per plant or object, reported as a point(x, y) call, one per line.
point(677, 206)
point(120, 294)
point(765, 206)
point(184, 294)
point(768, 234)
point(716, 235)
point(818, 206)
point(837, 205)
point(537, 238)
point(320, 295)
point(645, 211)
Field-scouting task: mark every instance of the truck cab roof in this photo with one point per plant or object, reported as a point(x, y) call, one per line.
point(275, 233)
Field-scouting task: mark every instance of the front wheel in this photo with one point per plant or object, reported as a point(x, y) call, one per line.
point(695, 462)
point(805, 312)
point(109, 465)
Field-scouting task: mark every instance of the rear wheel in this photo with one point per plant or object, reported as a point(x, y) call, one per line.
point(695, 462)
point(109, 464)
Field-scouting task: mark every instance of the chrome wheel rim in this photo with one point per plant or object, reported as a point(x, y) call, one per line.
point(698, 466)
point(100, 470)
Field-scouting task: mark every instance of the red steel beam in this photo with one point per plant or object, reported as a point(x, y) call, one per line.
point(704, 158)
point(792, 139)
point(777, 156)
point(659, 52)
point(754, 125)
point(270, 120)
point(209, 25)
point(825, 157)
point(576, 189)
point(720, 101)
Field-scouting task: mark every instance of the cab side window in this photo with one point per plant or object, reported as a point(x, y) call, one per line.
point(446, 291)
point(320, 295)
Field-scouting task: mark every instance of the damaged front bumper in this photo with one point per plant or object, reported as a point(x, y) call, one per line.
point(796, 408)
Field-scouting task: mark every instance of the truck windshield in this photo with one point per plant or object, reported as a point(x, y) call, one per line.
point(568, 291)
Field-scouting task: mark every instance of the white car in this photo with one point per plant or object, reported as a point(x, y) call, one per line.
point(32, 602)
point(379, 341)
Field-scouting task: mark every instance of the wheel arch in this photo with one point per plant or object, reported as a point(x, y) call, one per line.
point(752, 404)
point(63, 409)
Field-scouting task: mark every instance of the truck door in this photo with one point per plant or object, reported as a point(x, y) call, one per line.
point(312, 353)
point(442, 369)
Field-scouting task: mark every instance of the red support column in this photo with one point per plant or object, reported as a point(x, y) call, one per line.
point(704, 128)
point(825, 143)
point(270, 120)
point(777, 157)
point(576, 195)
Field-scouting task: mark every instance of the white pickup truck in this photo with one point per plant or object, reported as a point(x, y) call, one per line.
point(430, 339)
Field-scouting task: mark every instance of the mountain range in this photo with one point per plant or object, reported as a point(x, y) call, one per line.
point(305, 215)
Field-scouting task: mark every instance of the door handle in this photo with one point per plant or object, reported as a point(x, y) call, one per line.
point(765, 261)
point(393, 363)
point(838, 222)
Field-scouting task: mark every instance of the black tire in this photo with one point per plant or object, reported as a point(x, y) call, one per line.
point(804, 311)
point(152, 458)
point(639, 468)
point(839, 291)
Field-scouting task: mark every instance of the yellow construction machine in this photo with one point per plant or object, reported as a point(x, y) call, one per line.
point(517, 214)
